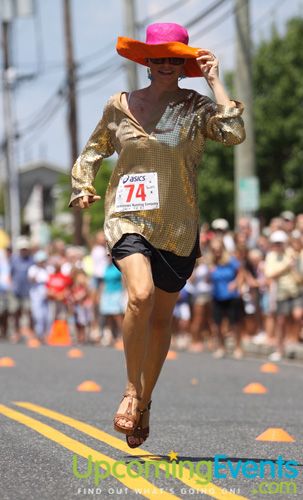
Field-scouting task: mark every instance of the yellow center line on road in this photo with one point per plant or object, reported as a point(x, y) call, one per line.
point(146, 488)
point(184, 475)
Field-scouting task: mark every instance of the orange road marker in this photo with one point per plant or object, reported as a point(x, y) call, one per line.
point(275, 434)
point(171, 355)
point(269, 368)
point(194, 381)
point(75, 353)
point(119, 345)
point(89, 386)
point(33, 343)
point(6, 362)
point(254, 388)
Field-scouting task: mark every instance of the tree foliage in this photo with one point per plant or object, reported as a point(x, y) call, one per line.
point(278, 106)
point(278, 113)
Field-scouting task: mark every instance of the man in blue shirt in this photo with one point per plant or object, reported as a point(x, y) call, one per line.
point(20, 264)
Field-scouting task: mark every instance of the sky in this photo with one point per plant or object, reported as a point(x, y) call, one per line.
point(38, 50)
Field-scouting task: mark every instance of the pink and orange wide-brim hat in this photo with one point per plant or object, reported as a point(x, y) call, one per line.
point(162, 40)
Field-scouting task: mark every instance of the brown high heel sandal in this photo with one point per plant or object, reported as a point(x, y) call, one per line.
point(128, 416)
point(139, 431)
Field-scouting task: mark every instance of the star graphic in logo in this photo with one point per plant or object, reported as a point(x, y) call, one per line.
point(172, 455)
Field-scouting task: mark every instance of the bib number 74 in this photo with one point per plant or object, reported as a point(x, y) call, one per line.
point(140, 192)
point(137, 192)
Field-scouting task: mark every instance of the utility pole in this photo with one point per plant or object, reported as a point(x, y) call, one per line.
point(11, 192)
point(72, 121)
point(130, 30)
point(246, 184)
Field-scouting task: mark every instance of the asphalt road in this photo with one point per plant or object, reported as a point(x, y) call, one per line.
point(199, 412)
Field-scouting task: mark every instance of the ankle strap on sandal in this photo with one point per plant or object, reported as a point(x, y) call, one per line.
point(145, 409)
point(128, 395)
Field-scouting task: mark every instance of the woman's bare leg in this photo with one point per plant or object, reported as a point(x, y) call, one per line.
point(198, 320)
point(138, 280)
point(156, 350)
point(158, 342)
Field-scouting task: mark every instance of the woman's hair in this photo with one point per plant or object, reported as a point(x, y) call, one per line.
point(219, 254)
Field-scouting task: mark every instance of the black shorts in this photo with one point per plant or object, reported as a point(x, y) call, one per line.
point(169, 271)
point(231, 309)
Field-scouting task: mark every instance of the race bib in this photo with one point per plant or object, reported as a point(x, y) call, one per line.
point(137, 192)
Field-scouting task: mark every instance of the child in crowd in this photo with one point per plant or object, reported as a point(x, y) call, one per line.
point(181, 318)
point(82, 304)
point(58, 288)
point(38, 276)
point(112, 301)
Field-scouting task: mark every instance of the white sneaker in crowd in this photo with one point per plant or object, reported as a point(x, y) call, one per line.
point(275, 356)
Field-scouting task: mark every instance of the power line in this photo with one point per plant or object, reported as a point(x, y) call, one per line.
point(49, 109)
point(258, 22)
point(162, 13)
point(91, 88)
point(207, 29)
point(54, 103)
point(204, 13)
point(44, 119)
point(103, 50)
point(34, 132)
point(107, 65)
point(39, 115)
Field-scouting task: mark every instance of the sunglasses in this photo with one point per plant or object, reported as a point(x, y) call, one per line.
point(176, 61)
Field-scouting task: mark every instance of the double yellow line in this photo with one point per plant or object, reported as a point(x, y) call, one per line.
point(146, 488)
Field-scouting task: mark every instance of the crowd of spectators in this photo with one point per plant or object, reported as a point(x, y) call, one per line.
point(247, 284)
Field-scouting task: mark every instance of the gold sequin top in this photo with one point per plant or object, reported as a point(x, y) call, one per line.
point(172, 146)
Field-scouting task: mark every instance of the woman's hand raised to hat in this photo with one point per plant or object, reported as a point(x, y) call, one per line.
point(85, 201)
point(209, 65)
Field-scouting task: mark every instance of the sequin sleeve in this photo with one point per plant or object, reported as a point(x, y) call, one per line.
point(85, 169)
point(221, 123)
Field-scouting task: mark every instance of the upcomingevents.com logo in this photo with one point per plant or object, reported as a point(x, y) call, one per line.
point(203, 471)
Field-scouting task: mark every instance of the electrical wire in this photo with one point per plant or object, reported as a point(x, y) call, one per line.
point(253, 25)
point(96, 85)
point(34, 118)
point(43, 120)
point(162, 13)
point(32, 133)
point(204, 14)
point(106, 66)
point(210, 27)
point(49, 109)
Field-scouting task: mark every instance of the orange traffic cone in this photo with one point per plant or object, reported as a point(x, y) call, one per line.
point(171, 355)
point(6, 362)
point(254, 388)
point(75, 353)
point(59, 334)
point(89, 386)
point(194, 381)
point(269, 368)
point(275, 434)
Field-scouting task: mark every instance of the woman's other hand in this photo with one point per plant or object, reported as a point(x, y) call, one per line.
point(208, 64)
point(85, 201)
